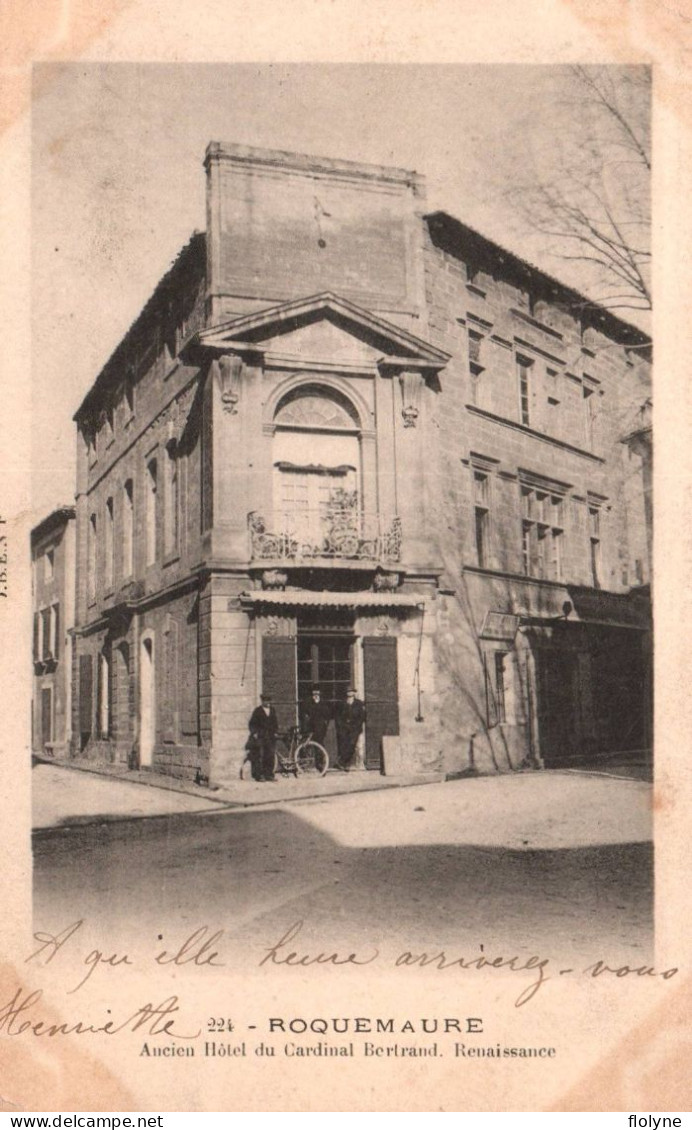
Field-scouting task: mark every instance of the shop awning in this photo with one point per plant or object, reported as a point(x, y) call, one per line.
point(304, 598)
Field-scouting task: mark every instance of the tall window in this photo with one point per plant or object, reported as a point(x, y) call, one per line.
point(475, 365)
point(317, 478)
point(553, 403)
point(595, 545)
point(151, 487)
point(55, 630)
point(46, 641)
point(524, 373)
point(541, 534)
point(481, 496)
point(108, 547)
point(91, 558)
point(128, 528)
point(171, 500)
point(104, 695)
point(49, 565)
point(500, 688)
point(589, 406)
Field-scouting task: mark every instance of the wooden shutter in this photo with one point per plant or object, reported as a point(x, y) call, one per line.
point(279, 677)
point(37, 633)
point(381, 694)
point(56, 631)
point(85, 694)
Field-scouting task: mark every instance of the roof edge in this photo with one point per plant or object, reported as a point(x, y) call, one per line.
point(61, 515)
point(628, 334)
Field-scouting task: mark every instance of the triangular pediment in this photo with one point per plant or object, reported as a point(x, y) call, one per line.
point(324, 326)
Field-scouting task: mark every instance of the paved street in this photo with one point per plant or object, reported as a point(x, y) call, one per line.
point(62, 796)
point(561, 857)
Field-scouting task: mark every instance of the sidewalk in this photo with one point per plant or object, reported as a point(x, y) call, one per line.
point(66, 795)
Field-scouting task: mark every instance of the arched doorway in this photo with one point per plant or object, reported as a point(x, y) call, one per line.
point(147, 702)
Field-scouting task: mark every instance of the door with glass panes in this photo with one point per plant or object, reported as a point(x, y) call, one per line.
point(325, 660)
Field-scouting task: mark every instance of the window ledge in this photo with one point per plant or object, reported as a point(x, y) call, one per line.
point(543, 581)
point(561, 443)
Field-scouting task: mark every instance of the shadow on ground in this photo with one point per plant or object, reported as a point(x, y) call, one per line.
point(254, 873)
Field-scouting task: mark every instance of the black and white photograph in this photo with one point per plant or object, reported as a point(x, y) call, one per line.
point(341, 545)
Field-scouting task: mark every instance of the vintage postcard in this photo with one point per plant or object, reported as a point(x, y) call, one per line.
point(342, 770)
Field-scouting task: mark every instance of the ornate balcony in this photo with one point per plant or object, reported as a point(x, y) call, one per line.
point(301, 537)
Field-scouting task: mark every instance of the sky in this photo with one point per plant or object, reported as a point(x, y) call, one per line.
point(118, 183)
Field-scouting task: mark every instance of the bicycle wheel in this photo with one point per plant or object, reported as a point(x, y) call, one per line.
point(282, 757)
point(312, 758)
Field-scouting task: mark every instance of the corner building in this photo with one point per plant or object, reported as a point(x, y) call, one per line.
point(350, 442)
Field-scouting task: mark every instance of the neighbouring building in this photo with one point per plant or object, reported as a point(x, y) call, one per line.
point(53, 595)
point(351, 442)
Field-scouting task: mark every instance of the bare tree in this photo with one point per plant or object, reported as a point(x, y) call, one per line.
point(588, 190)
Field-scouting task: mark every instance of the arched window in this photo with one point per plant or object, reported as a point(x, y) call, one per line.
point(317, 464)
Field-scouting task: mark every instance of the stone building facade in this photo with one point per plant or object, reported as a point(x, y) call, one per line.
point(53, 592)
point(351, 442)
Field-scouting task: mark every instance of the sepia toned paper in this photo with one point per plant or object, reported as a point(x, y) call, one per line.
point(620, 1043)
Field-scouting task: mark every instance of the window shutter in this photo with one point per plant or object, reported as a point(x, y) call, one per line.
point(37, 632)
point(279, 678)
point(381, 694)
point(85, 694)
point(56, 631)
point(45, 626)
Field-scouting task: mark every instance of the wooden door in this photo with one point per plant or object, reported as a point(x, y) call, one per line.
point(558, 707)
point(381, 681)
point(279, 678)
point(326, 660)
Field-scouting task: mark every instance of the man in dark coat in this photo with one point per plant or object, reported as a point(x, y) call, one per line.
point(315, 716)
point(350, 719)
point(261, 745)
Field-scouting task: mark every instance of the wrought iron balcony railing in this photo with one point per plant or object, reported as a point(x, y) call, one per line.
point(305, 535)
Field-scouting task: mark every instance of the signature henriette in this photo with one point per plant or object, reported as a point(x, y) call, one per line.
point(16, 1018)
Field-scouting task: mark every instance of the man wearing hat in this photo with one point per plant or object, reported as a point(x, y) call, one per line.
point(350, 718)
point(315, 717)
point(261, 744)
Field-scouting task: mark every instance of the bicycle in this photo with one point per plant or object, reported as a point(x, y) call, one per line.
point(295, 753)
